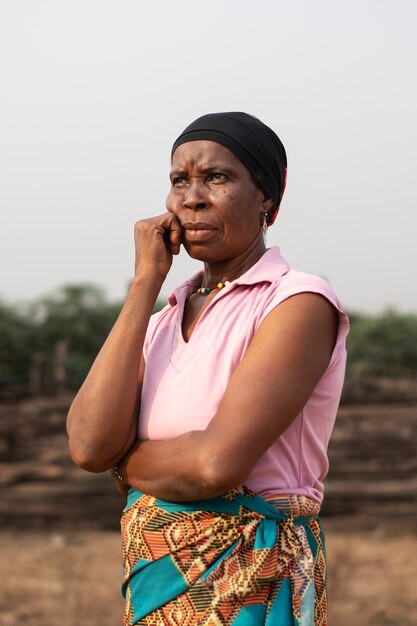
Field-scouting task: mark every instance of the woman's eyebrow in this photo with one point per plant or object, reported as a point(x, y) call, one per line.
point(177, 172)
point(205, 169)
point(215, 168)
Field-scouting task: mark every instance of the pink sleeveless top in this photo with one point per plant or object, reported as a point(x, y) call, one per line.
point(184, 382)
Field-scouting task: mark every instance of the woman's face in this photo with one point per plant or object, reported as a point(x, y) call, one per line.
point(216, 201)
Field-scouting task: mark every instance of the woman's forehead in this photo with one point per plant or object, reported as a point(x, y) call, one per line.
point(205, 153)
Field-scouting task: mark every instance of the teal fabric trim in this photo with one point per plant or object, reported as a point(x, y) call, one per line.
point(140, 565)
point(266, 534)
point(281, 609)
point(250, 615)
point(307, 606)
point(220, 504)
point(165, 578)
point(311, 539)
point(261, 506)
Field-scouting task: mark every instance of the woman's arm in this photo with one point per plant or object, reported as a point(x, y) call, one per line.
point(284, 362)
point(102, 421)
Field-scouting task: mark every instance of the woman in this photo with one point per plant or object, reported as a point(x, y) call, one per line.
point(216, 412)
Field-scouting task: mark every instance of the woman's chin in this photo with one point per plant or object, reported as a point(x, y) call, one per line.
point(201, 252)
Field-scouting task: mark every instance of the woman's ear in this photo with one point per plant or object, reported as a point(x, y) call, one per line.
point(267, 204)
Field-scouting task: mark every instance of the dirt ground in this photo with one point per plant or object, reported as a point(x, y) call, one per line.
point(72, 579)
point(56, 569)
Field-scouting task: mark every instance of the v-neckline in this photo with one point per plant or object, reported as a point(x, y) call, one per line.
point(183, 351)
point(200, 313)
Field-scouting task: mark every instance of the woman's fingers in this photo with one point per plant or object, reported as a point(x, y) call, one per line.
point(156, 240)
point(175, 235)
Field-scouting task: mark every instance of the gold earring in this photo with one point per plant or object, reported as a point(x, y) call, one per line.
point(265, 224)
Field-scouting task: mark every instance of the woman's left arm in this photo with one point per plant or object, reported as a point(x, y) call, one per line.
point(285, 360)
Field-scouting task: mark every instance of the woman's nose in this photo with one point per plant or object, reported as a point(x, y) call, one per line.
point(194, 197)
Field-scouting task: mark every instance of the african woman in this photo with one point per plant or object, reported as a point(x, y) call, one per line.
point(215, 413)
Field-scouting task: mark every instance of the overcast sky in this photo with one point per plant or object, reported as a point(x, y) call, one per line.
point(94, 92)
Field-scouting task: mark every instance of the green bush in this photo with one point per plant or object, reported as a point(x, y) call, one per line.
point(383, 345)
point(79, 317)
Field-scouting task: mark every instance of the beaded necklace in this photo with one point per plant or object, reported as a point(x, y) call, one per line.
point(204, 291)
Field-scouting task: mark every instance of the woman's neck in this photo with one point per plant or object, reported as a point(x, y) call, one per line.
point(231, 269)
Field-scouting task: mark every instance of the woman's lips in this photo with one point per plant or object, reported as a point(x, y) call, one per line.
point(198, 231)
point(199, 234)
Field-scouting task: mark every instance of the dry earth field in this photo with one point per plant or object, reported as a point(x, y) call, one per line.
point(72, 579)
point(59, 545)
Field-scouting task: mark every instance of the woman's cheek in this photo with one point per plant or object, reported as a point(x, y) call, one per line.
point(231, 196)
point(172, 202)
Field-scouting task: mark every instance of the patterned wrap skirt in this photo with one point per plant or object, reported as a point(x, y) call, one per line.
point(231, 560)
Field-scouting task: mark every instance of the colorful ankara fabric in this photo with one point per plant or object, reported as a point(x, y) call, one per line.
point(231, 560)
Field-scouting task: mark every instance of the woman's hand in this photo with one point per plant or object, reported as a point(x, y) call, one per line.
point(156, 240)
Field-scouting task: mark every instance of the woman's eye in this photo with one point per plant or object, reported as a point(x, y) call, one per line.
point(217, 177)
point(178, 182)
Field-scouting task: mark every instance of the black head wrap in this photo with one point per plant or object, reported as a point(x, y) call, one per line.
point(252, 142)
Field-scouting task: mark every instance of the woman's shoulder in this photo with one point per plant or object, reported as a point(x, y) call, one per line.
point(284, 280)
point(295, 282)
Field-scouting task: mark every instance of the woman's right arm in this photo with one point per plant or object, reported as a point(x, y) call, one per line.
point(102, 420)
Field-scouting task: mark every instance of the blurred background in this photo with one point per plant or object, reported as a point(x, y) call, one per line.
point(92, 95)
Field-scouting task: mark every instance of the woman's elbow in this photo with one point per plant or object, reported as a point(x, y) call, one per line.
point(88, 459)
point(217, 478)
